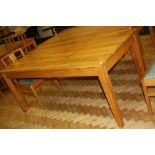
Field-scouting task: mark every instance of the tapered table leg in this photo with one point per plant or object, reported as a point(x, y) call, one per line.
point(111, 97)
point(152, 34)
point(137, 56)
point(20, 98)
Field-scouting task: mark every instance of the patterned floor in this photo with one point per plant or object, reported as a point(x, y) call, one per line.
point(83, 104)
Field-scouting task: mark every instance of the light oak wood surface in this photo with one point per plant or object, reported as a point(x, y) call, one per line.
point(80, 51)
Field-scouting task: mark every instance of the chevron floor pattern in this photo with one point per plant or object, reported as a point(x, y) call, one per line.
point(83, 104)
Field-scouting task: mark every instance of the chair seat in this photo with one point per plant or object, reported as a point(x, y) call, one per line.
point(27, 81)
point(151, 72)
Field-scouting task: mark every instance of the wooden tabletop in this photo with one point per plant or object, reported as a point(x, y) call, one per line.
point(78, 47)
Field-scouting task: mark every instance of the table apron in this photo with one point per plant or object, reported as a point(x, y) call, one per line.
point(121, 51)
point(93, 71)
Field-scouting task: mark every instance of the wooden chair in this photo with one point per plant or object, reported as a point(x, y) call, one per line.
point(26, 45)
point(27, 86)
point(15, 37)
point(19, 40)
point(149, 81)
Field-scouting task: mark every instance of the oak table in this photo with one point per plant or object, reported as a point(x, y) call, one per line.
point(78, 52)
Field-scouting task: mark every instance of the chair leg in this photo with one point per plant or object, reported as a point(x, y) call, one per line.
point(36, 96)
point(58, 85)
point(152, 34)
point(34, 44)
point(2, 82)
point(149, 107)
point(1, 93)
point(28, 48)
